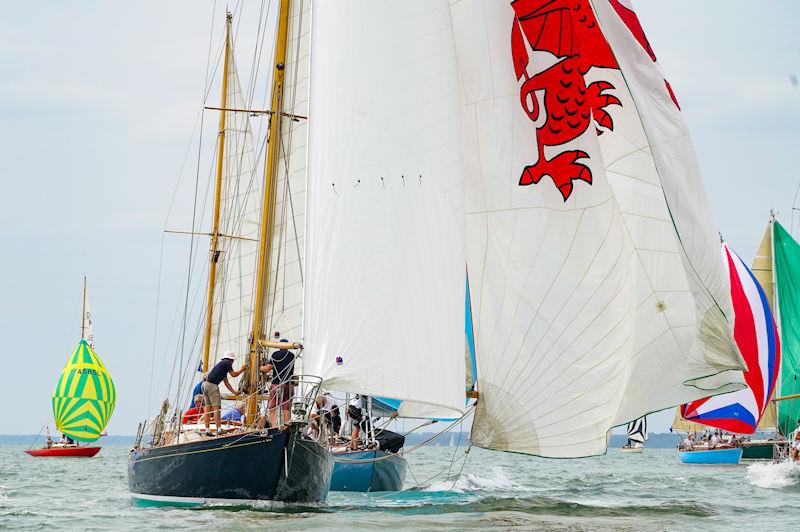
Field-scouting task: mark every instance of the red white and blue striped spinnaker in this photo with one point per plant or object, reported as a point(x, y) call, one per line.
point(757, 337)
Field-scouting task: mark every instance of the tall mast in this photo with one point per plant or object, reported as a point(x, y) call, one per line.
point(83, 310)
point(267, 211)
point(775, 315)
point(214, 253)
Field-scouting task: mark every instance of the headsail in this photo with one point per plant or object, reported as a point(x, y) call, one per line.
point(757, 337)
point(598, 293)
point(239, 231)
point(762, 269)
point(637, 430)
point(384, 286)
point(787, 280)
point(84, 398)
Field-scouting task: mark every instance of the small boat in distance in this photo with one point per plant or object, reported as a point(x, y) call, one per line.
point(83, 400)
point(65, 449)
point(637, 434)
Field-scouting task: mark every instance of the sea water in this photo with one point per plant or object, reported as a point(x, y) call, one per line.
point(446, 489)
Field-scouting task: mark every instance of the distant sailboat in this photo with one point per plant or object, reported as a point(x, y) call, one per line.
point(637, 434)
point(84, 397)
point(757, 337)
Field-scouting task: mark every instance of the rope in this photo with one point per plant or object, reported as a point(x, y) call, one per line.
point(406, 452)
point(37, 437)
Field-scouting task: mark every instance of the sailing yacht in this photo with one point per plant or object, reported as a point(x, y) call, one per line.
point(176, 464)
point(775, 266)
point(84, 397)
point(637, 434)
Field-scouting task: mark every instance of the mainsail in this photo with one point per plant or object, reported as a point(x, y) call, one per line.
point(84, 398)
point(787, 281)
point(637, 430)
point(384, 272)
point(285, 312)
point(757, 337)
point(598, 293)
point(239, 217)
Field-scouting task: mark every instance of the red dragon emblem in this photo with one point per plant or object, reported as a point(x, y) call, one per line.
point(567, 29)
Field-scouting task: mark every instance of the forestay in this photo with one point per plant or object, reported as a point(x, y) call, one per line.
point(384, 285)
point(598, 292)
point(757, 337)
point(239, 227)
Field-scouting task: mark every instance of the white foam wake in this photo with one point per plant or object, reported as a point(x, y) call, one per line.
point(774, 474)
point(498, 481)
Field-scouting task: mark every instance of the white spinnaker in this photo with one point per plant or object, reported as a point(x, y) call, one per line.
point(285, 311)
point(587, 312)
point(240, 216)
point(384, 286)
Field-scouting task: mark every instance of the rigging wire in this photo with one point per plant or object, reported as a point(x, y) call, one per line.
point(198, 118)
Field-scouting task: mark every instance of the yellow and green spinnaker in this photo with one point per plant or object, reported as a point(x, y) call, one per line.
point(84, 398)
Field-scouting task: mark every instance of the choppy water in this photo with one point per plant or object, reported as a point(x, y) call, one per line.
point(628, 492)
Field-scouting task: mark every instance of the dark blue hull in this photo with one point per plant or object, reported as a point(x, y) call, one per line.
point(275, 465)
point(387, 474)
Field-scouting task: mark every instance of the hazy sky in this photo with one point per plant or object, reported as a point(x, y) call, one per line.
point(98, 105)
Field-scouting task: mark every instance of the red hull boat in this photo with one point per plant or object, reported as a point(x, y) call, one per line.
point(85, 452)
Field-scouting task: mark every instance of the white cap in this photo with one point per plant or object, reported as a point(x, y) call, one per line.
point(228, 354)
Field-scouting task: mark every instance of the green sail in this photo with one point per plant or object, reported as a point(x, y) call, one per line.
point(84, 398)
point(787, 280)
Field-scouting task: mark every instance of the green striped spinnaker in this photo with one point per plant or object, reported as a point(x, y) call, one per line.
point(84, 398)
point(787, 279)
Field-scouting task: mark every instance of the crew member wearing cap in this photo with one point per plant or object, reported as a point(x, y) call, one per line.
point(219, 373)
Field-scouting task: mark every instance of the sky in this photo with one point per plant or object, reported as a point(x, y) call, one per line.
point(100, 114)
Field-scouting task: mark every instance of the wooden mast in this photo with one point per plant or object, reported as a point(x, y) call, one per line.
point(83, 310)
point(214, 253)
point(268, 203)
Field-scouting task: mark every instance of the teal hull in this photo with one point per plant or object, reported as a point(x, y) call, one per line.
point(714, 456)
point(387, 473)
point(757, 451)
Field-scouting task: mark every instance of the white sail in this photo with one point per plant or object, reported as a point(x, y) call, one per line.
point(239, 227)
point(637, 430)
point(285, 310)
point(598, 292)
point(385, 265)
point(88, 335)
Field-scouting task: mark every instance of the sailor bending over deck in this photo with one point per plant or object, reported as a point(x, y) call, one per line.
point(219, 373)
